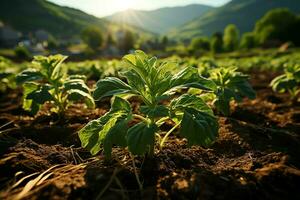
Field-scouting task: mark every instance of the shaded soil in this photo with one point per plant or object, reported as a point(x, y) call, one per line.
point(256, 156)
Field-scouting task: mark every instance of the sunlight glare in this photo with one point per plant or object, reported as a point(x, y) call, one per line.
point(124, 4)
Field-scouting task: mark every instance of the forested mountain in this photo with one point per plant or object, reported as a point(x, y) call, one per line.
point(242, 13)
point(31, 15)
point(160, 20)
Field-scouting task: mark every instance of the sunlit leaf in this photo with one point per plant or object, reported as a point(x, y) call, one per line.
point(107, 130)
point(110, 86)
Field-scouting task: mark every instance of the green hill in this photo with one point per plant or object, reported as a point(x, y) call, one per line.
point(243, 13)
point(31, 15)
point(160, 20)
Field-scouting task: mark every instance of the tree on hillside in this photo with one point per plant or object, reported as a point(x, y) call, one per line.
point(278, 25)
point(164, 42)
point(52, 42)
point(199, 44)
point(231, 38)
point(127, 43)
point(110, 40)
point(92, 36)
point(216, 43)
point(247, 41)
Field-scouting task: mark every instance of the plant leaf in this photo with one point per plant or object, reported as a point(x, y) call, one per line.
point(77, 76)
point(58, 72)
point(137, 62)
point(240, 84)
point(28, 104)
point(5, 75)
point(115, 136)
point(189, 77)
point(119, 103)
point(107, 130)
point(51, 66)
point(190, 101)
point(76, 95)
point(135, 81)
point(28, 75)
point(76, 84)
point(282, 83)
point(198, 127)
point(110, 86)
point(141, 137)
point(41, 95)
point(158, 111)
point(223, 105)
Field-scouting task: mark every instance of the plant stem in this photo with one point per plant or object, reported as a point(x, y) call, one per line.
point(140, 117)
point(159, 137)
point(152, 147)
point(57, 99)
point(136, 173)
point(167, 134)
point(161, 120)
point(294, 95)
point(116, 171)
point(151, 151)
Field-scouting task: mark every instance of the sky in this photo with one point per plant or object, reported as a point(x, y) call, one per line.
point(101, 8)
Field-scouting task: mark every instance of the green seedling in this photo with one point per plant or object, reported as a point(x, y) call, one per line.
point(49, 82)
point(7, 75)
point(288, 82)
point(231, 85)
point(153, 83)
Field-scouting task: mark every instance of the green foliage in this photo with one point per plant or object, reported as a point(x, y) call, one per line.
point(127, 43)
point(289, 81)
point(153, 83)
point(48, 82)
point(216, 43)
point(164, 42)
point(110, 40)
point(194, 121)
point(22, 53)
point(108, 129)
point(266, 35)
point(7, 75)
point(231, 37)
point(242, 13)
point(95, 69)
point(6, 81)
point(205, 65)
point(52, 42)
point(59, 21)
point(231, 85)
point(199, 44)
point(247, 41)
point(92, 36)
point(278, 25)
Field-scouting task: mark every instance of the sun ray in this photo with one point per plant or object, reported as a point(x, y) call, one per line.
point(123, 4)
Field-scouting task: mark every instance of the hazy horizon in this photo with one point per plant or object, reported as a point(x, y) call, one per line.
point(102, 8)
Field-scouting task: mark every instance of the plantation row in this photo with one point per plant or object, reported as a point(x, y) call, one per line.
point(190, 97)
point(95, 69)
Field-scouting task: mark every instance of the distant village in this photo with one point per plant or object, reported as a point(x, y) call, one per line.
point(41, 42)
point(35, 42)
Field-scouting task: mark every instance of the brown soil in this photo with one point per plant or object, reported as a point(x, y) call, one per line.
point(256, 156)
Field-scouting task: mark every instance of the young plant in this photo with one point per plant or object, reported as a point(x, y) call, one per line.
point(7, 75)
point(205, 65)
point(289, 81)
point(49, 82)
point(231, 85)
point(7, 81)
point(153, 84)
